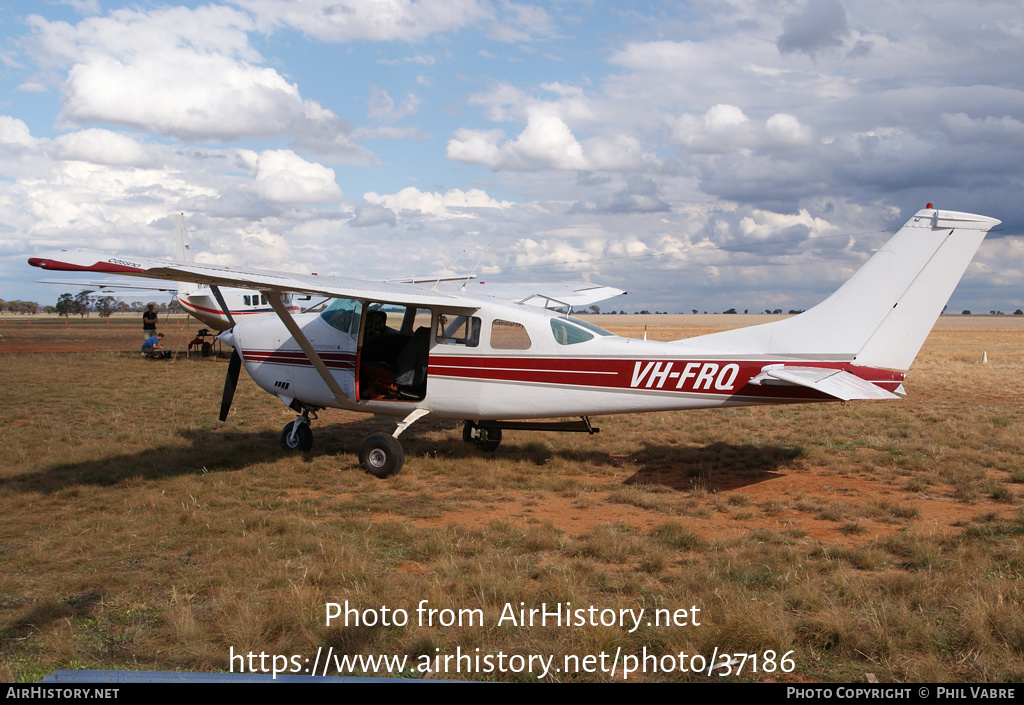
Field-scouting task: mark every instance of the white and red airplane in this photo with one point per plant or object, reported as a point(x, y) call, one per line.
point(409, 351)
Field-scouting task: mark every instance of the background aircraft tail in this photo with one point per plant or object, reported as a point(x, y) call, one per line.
point(183, 251)
point(881, 316)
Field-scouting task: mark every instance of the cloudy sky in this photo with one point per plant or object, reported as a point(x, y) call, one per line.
point(726, 153)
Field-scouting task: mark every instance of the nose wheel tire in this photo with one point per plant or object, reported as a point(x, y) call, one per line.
point(302, 440)
point(487, 439)
point(381, 455)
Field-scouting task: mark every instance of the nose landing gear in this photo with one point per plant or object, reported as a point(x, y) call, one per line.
point(297, 436)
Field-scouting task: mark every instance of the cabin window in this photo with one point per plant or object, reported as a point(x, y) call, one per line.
point(246, 300)
point(509, 335)
point(263, 299)
point(458, 330)
point(567, 334)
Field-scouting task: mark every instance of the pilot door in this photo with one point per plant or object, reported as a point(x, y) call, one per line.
point(394, 348)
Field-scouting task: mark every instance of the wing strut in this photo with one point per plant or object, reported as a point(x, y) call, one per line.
point(220, 299)
point(274, 297)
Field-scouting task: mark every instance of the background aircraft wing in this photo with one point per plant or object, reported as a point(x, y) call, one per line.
point(578, 294)
point(111, 286)
point(313, 285)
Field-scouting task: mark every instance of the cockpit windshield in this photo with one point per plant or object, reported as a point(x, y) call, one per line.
point(343, 314)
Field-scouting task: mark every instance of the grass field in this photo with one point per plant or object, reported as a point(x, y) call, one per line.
point(138, 532)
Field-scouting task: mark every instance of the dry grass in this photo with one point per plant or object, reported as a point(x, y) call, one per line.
point(138, 532)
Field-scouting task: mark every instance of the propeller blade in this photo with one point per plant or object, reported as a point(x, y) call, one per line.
point(230, 382)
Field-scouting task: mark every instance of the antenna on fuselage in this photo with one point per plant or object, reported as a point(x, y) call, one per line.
point(473, 272)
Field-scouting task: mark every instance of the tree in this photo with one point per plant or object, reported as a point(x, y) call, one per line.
point(1018, 312)
point(595, 309)
point(83, 302)
point(65, 305)
point(106, 305)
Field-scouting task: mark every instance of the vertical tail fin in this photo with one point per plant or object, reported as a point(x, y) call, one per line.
point(883, 313)
point(182, 248)
point(182, 251)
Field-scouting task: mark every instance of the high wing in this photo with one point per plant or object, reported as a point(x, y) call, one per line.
point(216, 275)
point(576, 294)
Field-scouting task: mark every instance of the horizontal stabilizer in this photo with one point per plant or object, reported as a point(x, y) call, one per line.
point(836, 383)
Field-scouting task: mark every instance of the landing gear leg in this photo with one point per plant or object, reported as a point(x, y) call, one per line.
point(297, 436)
point(486, 439)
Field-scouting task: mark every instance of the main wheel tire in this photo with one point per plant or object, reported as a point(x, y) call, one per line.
point(381, 455)
point(302, 441)
point(487, 439)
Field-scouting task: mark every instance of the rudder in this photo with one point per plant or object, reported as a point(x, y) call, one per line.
point(883, 313)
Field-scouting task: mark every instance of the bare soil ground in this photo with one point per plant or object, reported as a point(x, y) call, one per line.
point(119, 333)
point(139, 532)
point(787, 486)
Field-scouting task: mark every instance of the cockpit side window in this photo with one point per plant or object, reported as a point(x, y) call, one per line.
point(509, 335)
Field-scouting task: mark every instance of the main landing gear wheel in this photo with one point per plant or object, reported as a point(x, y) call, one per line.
point(302, 439)
point(487, 439)
point(381, 455)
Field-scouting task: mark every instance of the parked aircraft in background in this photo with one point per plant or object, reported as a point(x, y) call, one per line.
point(409, 351)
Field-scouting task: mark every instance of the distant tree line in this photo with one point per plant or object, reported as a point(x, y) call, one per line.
point(19, 306)
point(84, 303)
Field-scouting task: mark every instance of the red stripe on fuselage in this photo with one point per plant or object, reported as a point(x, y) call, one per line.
point(717, 377)
point(297, 358)
point(721, 377)
point(218, 312)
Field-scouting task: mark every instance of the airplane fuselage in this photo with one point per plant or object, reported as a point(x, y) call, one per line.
point(201, 304)
point(521, 362)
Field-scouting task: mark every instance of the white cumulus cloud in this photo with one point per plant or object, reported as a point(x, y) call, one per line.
point(451, 204)
point(102, 147)
point(284, 177)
